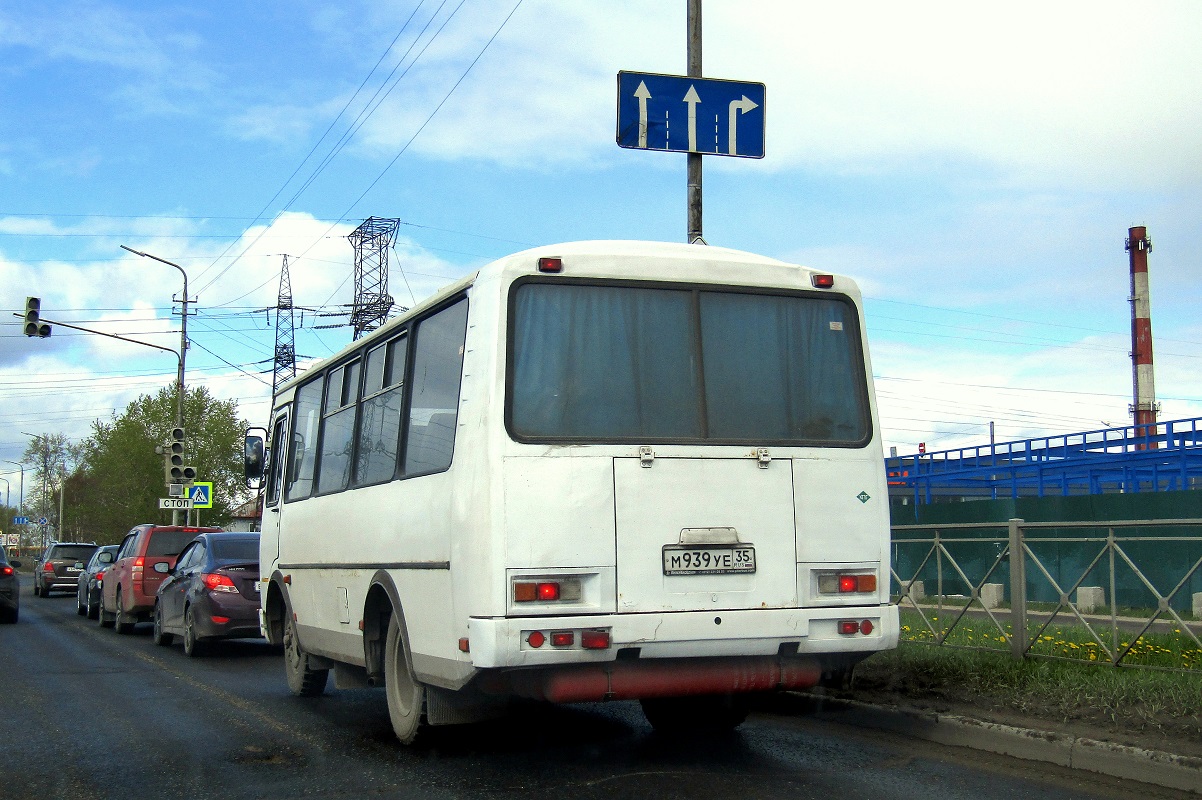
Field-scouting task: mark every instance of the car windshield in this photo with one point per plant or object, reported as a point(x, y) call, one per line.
point(168, 543)
point(240, 549)
point(78, 552)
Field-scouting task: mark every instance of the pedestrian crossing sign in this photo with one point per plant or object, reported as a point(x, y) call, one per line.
point(201, 494)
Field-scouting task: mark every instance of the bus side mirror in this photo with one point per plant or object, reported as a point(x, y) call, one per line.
point(254, 457)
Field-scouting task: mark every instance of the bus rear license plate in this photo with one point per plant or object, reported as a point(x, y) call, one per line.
point(686, 560)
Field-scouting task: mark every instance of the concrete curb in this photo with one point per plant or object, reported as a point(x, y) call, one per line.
point(1146, 766)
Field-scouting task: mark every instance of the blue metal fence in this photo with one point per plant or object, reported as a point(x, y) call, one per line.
point(1164, 457)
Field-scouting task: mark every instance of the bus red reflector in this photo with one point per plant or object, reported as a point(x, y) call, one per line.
point(822, 281)
point(594, 640)
point(536, 639)
point(548, 591)
point(562, 638)
point(866, 627)
point(463, 645)
point(848, 626)
point(550, 265)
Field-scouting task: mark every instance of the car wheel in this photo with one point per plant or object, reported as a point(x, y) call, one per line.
point(79, 609)
point(122, 622)
point(406, 695)
point(708, 713)
point(192, 644)
point(303, 681)
point(45, 591)
point(37, 590)
point(93, 608)
point(103, 617)
point(161, 637)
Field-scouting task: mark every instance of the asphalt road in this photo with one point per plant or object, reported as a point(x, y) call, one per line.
point(88, 713)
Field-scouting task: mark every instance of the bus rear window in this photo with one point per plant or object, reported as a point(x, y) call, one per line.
point(608, 362)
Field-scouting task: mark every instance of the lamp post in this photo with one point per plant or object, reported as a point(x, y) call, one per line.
point(45, 469)
point(21, 499)
point(183, 344)
point(183, 333)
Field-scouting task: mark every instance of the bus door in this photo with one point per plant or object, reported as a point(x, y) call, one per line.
point(704, 533)
point(269, 525)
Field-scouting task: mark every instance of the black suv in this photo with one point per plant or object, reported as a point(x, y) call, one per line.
point(60, 565)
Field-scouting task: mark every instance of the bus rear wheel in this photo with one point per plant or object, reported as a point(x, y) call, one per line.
point(708, 713)
point(406, 695)
point(303, 680)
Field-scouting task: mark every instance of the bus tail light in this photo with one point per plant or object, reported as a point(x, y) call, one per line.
point(595, 639)
point(548, 590)
point(563, 638)
point(850, 627)
point(846, 583)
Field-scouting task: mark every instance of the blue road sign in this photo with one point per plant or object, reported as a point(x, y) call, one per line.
point(21, 520)
point(690, 115)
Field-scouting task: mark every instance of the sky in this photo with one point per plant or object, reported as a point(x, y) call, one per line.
point(975, 167)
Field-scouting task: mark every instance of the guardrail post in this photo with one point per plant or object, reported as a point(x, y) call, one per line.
point(1018, 591)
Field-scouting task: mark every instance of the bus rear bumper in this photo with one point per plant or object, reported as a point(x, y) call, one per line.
point(640, 638)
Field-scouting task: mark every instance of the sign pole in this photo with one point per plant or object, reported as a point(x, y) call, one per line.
point(693, 201)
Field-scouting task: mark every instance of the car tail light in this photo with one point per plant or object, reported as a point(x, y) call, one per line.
point(48, 568)
point(217, 582)
point(100, 576)
point(547, 591)
point(6, 570)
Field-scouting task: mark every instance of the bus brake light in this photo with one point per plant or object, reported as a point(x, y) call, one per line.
point(822, 281)
point(546, 264)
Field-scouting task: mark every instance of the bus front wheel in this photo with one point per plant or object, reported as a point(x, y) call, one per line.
point(406, 695)
point(303, 680)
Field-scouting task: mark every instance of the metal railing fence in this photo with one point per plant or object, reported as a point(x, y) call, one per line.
point(1120, 589)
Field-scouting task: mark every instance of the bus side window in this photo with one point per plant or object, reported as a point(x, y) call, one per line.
point(338, 428)
point(302, 458)
point(434, 407)
point(380, 412)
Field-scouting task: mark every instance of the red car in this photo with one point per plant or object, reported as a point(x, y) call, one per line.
point(147, 554)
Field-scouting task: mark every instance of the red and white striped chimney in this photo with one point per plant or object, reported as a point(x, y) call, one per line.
point(1144, 407)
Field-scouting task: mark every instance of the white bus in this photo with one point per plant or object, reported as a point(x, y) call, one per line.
point(590, 471)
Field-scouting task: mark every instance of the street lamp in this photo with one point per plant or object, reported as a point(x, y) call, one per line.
point(183, 334)
point(21, 499)
point(183, 344)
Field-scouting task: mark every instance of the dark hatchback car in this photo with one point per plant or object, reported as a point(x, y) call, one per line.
point(87, 589)
point(59, 567)
point(211, 593)
point(10, 588)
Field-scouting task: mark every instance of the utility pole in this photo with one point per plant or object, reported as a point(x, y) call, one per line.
point(694, 159)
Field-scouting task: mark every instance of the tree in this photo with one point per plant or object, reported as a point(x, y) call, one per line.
point(122, 477)
point(52, 457)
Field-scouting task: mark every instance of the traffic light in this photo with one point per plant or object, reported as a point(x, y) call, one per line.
point(177, 471)
point(33, 322)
